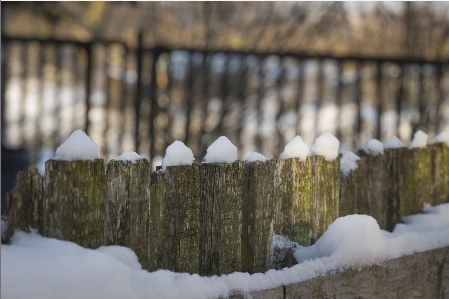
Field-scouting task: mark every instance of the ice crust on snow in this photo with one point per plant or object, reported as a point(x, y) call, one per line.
point(326, 145)
point(132, 157)
point(60, 269)
point(296, 148)
point(256, 157)
point(177, 153)
point(78, 146)
point(374, 147)
point(394, 142)
point(221, 151)
point(442, 137)
point(419, 140)
point(348, 162)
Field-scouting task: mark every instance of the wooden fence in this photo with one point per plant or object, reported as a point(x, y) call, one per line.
point(220, 218)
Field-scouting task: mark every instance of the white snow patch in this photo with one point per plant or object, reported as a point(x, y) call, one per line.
point(59, 269)
point(357, 240)
point(256, 157)
point(374, 147)
point(394, 142)
point(132, 157)
point(326, 145)
point(221, 151)
point(348, 162)
point(296, 148)
point(78, 146)
point(419, 140)
point(177, 153)
point(442, 137)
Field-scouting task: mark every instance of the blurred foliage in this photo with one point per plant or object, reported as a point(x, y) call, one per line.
point(393, 29)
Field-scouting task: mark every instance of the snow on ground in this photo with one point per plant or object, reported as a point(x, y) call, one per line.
point(326, 145)
point(256, 157)
point(177, 153)
point(442, 137)
point(419, 140)
point(132, 157)
point(296, 148)
point(221, 151)
point(394, 142)
point(37, 267)
point(78, 146)
point(348, 162)
point(374, 147)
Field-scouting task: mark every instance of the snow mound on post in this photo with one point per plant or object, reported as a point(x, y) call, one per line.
point(326, 145)
point(442, 137)
point(221, 151)
point(129, 156)
point(177, 153)
point(296, 148)
point(348, 162)
point(256, 157)
point(374, 147)
point(78, 146)
point(419, 140)
point(394, 142)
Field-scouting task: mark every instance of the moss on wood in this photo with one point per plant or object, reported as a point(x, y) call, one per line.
point(25, 203)
point(74, 201)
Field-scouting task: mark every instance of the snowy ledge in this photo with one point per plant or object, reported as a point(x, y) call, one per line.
point(423, 275)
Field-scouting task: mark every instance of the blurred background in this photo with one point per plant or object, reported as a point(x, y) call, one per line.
point(137, 76)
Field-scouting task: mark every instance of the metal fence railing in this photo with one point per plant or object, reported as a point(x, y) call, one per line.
point(144, 99)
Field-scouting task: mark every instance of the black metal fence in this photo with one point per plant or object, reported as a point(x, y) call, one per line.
point(144, 99)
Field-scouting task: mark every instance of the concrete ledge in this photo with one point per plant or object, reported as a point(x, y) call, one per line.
point(421, 275)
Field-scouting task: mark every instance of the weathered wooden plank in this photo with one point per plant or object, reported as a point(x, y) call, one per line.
point(440, 173)
point(293, 192)
point(220, 218)
point(127, 206)
point(366, 189)
point(421, 275)
point(25, 203)
point(159, 257)
point(74, 201)
point(415, 179)
point(174, 219)
point(182, 192)
point(258, 203)
point(325, 195)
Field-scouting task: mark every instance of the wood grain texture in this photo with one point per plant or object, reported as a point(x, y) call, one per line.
point(421, 275)
point(127, 206)
point(325, 195)
point(74, 201)
point(258, 203)
point(220, 218)
point(174, 219)
point(25, 203)
point(293, 185)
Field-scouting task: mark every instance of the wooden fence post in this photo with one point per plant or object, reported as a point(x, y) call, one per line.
point(74, 201)
point(258, 202)
point(293, 192)
point(127, 206)
point(440, 173)
point(24, 203)
point(220, 220)
point(415, 179)
point(174, 219)
point(325, 195)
